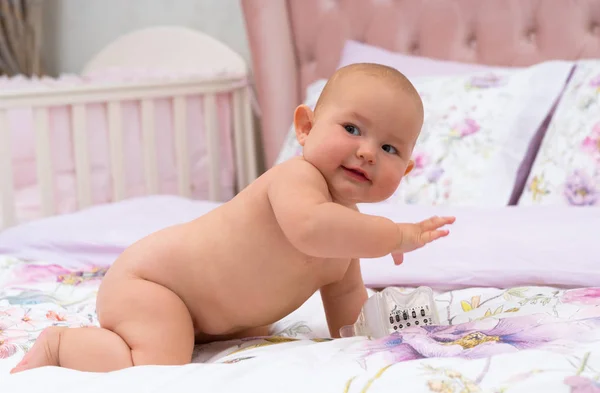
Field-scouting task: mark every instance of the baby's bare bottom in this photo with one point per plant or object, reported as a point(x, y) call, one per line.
point(142, 323)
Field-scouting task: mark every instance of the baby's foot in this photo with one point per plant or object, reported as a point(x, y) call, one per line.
point(44, 351)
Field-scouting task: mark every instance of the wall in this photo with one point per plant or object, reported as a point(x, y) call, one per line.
point(74, 30)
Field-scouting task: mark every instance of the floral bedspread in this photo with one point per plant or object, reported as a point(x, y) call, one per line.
point(490, 340)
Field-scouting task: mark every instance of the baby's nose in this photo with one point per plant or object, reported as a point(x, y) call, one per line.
point(367, 153)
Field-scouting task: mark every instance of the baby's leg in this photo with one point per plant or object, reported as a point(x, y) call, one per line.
point(141, 323)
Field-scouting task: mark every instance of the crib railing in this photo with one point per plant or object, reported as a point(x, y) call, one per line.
point(113, 95)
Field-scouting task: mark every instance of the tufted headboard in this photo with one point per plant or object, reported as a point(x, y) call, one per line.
point(294, 42)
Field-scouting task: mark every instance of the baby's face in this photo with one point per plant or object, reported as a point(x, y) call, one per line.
point(362, 139)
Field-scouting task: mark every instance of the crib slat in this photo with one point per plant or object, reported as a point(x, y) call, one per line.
point(238, 138)
point(211, 125)
point(82, 161)
point(115, 135)
point(6, 174)
point(181, 146)
point(251, 159)
point(149, 147)
point(44, 160)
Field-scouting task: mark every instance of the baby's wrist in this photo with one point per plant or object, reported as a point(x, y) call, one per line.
point(399, 236)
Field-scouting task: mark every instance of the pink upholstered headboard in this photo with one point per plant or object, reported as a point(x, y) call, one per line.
point(294, 42)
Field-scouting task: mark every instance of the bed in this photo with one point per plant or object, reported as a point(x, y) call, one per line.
point(514, 87)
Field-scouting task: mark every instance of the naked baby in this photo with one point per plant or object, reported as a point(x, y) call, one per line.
point(294, 231)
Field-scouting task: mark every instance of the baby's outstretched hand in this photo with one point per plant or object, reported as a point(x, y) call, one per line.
point(415, 236)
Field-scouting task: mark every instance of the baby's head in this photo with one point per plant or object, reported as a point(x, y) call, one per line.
point(362, 132)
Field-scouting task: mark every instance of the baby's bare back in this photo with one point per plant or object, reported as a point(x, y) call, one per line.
point(233, 267)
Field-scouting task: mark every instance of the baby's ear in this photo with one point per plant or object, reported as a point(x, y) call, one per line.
point(303, 122)
point(409, 167)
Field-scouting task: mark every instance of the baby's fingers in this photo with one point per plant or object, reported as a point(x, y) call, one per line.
point(428, 237)
point(435, 223)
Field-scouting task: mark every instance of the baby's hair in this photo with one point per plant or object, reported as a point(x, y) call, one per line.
point(395, 77)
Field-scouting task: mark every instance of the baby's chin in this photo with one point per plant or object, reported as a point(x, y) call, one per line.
point(351, 198)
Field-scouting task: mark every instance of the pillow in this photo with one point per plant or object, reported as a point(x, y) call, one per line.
point(411, 66)
point(566, 170)
point(502, 247)
point(477, 131)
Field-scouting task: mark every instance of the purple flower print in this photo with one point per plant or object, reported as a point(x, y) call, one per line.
point(579, 190)
point(466, 127)
point(434, 175)
point(477, 339)
point(595, 82)
point(579, 384)
point(584, 296)
point(486, 81)
point(591, 143)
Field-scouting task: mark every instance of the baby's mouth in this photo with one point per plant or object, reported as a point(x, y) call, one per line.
point(356, 174)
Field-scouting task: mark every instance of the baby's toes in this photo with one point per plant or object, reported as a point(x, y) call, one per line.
point(44, 351)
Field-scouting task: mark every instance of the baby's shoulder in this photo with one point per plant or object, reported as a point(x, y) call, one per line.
point(296, 176)
point(297, 170)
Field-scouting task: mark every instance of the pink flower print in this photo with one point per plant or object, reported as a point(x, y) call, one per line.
point(579, 384)
point(19, 318)
point(8, 340)
point(421, 161)
point(585, 296)
point(466, 127)
point(54, 316)
point(580, 190)
point(31, 273)
point(7, 349)
point(591, 143)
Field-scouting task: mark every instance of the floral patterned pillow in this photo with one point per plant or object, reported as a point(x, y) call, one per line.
point(476, 133)
point(566, 170)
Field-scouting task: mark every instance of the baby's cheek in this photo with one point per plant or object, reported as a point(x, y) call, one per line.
point(392, 179)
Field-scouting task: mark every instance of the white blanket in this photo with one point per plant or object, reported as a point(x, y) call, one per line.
point(516, 340)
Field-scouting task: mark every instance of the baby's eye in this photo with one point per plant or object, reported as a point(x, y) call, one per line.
point(389, 149)
point(352, 129)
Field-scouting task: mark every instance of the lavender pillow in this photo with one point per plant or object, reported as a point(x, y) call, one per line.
point(411, 66)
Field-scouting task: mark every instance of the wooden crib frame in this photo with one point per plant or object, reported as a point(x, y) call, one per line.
point(172, 48)
point(112, 96)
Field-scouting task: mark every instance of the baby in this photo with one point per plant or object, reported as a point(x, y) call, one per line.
point(250, 262)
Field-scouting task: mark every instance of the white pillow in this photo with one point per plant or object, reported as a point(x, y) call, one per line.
point(566, 170)
point(476, 133)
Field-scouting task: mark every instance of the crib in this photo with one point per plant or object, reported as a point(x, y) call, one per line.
point(197, 83)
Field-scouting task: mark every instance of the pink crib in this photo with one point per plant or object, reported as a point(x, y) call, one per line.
point(164, 110)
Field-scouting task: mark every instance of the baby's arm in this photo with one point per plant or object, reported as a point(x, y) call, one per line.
point(318, 227)
point(321, 228)
point(343, 299)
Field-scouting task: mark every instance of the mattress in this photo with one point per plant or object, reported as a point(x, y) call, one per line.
point(517, 338)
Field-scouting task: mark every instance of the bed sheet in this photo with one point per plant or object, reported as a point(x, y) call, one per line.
point(492, 340)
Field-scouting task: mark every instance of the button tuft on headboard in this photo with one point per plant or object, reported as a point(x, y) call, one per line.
point(531, 34)
point(594, 28)
point(414, 48)
point(472, 41)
